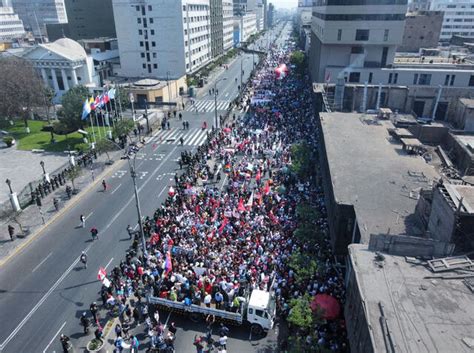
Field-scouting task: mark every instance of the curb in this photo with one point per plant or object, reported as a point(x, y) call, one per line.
point(34, 235)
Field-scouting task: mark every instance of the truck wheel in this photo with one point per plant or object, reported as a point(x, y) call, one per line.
point(256, 329)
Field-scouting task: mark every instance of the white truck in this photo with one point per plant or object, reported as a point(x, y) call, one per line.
point(258, 311)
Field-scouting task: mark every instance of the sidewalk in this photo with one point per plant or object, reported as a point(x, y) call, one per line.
point(31, 221)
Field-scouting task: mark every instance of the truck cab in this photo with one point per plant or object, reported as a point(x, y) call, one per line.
point(261, 311)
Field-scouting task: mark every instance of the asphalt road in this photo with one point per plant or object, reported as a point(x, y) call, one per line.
point(44, 289)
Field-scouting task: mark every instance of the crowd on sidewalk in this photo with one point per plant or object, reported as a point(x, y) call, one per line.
point(209, 244)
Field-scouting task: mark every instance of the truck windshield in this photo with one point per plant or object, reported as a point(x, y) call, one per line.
point(271, 307)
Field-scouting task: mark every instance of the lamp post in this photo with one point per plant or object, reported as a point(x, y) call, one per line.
point(9, 183)
point(42, 166)
point(45, 175)
point(242, 72)
point(146, 117)
point(216, 120)
point(13, 197)
point(168, 85)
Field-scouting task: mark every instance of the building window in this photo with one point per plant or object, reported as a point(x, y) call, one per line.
point(385, 35)
point(370, 77)
point(390, 76)
point(153, 44)
point(151, 19)
point(137, 8)
point(144, 66)
point(139, 20)
point(453, 77)
point(395, 78)
point(339, 34)
point(354, 77)
point(150, 8)
point(154, 55)
point(415, 79)
point(362, 34)
point(142, 55)
point(152, 32)
point(471, 81)
point(446, 80)
point(357, 50)
point(425, 79)
point(155, 66)
point(140, 32)
point(141, 44)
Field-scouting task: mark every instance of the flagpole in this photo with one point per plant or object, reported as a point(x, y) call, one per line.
point(120, 103)
point(97, 120)
point(92, 126)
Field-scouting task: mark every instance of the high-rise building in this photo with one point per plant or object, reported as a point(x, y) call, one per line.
point(422, 30)
point(228, 23)
point(162, 38)
point(241, 7)
point(270, 15)
point(418, 5)
point(36, 14)
point(259, 11)
point(458, 17)
point(217, 28)
point(11, 27)
point(356, 34)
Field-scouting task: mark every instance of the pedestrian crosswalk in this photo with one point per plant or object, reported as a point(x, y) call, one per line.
point(192, 137)
point(207, 105)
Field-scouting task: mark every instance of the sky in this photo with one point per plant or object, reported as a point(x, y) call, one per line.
point(288, 4)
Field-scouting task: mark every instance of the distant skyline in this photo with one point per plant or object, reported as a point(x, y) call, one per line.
point(287, 4)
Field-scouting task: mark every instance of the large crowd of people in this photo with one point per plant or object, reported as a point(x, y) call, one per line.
point(212, 242)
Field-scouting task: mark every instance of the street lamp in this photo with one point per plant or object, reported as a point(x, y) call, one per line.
point(242, 71)
point(42, 166)
point(146, 117)
point(9, 183)
point(168, 84)
point(216, 121)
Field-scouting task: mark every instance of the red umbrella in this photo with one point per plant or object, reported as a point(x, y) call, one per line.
point(328, 305)
point(227, 130)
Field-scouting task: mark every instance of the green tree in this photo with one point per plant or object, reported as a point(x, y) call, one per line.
point(123, 127)
point(303, 160)
point(298, 59)
point(71, 111)
point(73, 173)
point(105, 146)
point(301, 314)
point(304, 265)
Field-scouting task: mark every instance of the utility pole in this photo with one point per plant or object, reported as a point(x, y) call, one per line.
point(216, 120)
point(137, 202)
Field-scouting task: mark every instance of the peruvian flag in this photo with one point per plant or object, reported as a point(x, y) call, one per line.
point(241, 206)
point(168, 264)
point(101, 274)
point(258, 176)
point(250, 201)
point(171, 191)
point(266, 189)
point(224, 223)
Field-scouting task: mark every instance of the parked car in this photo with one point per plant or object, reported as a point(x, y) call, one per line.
point(6, 140)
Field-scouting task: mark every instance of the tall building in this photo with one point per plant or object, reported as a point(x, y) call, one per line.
point(458, 17)
point(357, 34)
point(11, 27)
point(241, 7)
point(418, 5)
point(217, 28)
point(36, 14)
point(422, 30)
point(162, 38)
point(265, 14)
point(228, 24)
point(270, 15)
point(259, 11)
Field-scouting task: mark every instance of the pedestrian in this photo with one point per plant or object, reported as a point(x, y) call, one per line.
point(85, 322)
point(180, 116)
point(56, 204)
point(134, 344)
point(223, 341)
point(84, 262)
point(94, 309)
point(130, 231)
point(65, 342)
point(168, 125)
point(181, 140)
point(118, 330)
point(83, 221)
point(11, 231)
point(136, 316)
point(184, 124)
point(68, 192)
point(94, 233)
point(172, 328)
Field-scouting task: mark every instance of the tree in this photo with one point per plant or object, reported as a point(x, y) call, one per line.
point(303, 161)
point(298, 59)
point(301, 314)
point(73, 172)
point(105, 146)
point(304, 266)
point(123, 127)
point(71, 111)
point(21, 89)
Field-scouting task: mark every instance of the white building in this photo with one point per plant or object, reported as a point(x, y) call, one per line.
point(11, 27)
point(458, 17)
point(248, 26)
point(62, 64)
point(259, 11)
point(228, 20)
point(354, 37)
point(162, 38)
point(36, 14)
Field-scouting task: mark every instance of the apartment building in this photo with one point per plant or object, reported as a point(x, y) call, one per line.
point(11, 27)
point(162, 38)
point(458, 18)
point(228, 24)
point(217, 28)
point(354, 34)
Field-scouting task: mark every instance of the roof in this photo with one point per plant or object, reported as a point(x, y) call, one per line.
point(469, 103)
point(259, 299)
point(372, 172)
point(423, 315)
point(464, 192)
point(66, 48)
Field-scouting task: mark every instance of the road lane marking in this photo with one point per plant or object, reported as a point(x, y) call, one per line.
point(42, 262)
point(166, 322)
point(161, 193)
point(141, 188)
point(90, 214)
point(116, 189)
point(108, 263)
point(40, 302)
point(52, 339)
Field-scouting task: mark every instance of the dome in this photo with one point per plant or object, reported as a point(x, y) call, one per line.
point(147, 82)
point(70, 46)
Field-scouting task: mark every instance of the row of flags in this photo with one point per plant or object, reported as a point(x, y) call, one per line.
point(98, 102)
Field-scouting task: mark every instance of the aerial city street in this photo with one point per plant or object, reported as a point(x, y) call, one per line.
point(236, 176)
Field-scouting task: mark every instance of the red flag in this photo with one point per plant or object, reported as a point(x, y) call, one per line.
point(258, 176)
point(224, 223)
point(168, 263)
point(241, 206)
point(266, 189)
point(102, 274)
point(272, 217)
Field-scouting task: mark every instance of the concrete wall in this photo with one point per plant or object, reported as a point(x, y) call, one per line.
point(442, 221)
point(409, 246)
point(432, 135)
point(422, 30)
point(462, 158)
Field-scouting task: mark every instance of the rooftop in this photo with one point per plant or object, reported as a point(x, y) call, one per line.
point(374, 174)
point(467, 102)
point(423, 315)
point(464, 193)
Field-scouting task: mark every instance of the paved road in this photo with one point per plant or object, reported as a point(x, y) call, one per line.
point(43, 290)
